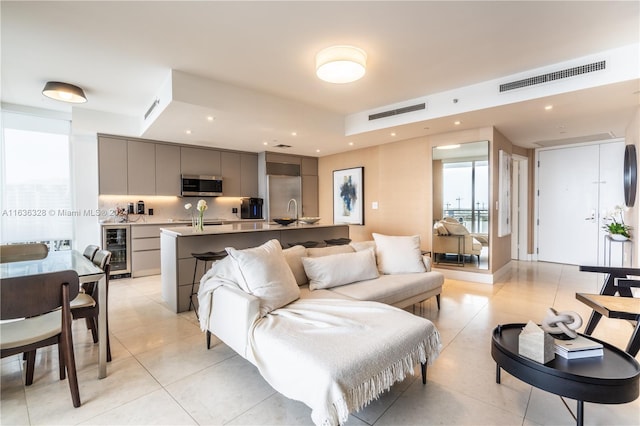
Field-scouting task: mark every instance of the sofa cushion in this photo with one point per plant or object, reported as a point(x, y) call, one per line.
point(326, 251)
point(293, 256)
point(264, 273)
point(440, 228)
point(398, 254)
point(391, 289)
point(339, 269)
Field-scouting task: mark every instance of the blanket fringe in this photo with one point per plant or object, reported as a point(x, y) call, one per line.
point(359, 397)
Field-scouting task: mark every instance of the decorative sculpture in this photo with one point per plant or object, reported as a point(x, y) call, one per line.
point(562, 322)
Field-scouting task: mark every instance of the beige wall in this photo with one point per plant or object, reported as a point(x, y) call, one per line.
point(632, 137)
point(500, 247)
point(398, 176)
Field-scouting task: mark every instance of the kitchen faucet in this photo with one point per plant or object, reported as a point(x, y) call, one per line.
point(295, 203)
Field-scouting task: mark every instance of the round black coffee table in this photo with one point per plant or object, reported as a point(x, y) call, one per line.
point(613, 378)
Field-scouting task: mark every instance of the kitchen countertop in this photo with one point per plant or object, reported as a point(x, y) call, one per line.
point(187, 231)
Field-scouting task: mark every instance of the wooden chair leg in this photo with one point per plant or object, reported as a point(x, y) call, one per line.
point(31, 361)
point(438, 300)
point(208, 339)
point(423, 368)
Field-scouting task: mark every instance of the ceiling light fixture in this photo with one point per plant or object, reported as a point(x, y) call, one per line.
point(548, 107)
point(341, 64)
point(64, 92)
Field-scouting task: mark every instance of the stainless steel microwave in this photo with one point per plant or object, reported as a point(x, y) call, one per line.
point(201, 186)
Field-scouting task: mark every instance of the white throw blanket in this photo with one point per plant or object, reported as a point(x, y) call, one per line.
point(334, 355)
point(337, 356)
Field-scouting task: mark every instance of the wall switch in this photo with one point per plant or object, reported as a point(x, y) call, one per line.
point(234, 210)
point(374, 205)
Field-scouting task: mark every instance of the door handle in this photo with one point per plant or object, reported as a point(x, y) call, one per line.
point(592, 217)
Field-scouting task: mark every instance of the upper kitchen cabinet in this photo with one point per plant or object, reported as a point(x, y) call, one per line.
point(239, 174)
point(249, 178)
point(141, 168)
point(200, 161)
point(112, 166)
point(167, 170)
point(231, 174)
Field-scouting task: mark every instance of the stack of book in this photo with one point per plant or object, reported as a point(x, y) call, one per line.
point(580, 347)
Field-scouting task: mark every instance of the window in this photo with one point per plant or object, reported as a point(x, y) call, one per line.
point(466, 193)
point(35, 180)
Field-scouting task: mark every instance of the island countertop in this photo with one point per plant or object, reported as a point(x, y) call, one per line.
point(233, 228)
point(180, 272)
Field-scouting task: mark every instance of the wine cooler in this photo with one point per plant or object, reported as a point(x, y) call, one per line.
point(117, 239)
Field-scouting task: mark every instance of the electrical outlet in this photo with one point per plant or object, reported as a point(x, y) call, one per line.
point(234, 210)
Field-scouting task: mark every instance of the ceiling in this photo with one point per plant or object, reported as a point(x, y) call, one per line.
point(122, 53)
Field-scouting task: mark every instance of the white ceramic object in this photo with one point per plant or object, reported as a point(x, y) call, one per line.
point(308, 220)
point(618, 237)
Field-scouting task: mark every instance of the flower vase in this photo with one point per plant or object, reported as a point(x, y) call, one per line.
point(199, 224)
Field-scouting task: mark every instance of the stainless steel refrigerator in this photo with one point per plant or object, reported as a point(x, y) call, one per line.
point(281, 189)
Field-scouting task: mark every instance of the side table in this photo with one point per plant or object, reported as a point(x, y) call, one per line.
point(613, 378)
point(607, 253)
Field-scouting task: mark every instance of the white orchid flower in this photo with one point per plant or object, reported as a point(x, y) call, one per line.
point(187, 206)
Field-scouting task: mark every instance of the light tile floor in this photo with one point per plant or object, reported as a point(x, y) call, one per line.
point(161, 372)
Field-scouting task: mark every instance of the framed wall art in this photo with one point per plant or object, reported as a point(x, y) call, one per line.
point(348, 196)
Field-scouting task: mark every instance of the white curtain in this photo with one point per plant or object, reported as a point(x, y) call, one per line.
point(36, 201)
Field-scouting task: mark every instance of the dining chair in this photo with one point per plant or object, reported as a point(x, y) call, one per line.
point(90, 251)
point(20, 252)
point(86, 306)
point(35, 313)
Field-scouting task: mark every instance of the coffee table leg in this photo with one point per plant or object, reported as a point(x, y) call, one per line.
point(580, 414)
point(497, 374)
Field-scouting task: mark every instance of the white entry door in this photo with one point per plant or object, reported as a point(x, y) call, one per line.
point(577, 185)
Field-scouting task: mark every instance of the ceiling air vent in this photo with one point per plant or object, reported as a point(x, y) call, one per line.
point(398, 111)
point(281, 145)
point(557, 75)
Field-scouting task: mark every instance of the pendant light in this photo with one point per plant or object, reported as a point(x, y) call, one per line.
point(64, 92)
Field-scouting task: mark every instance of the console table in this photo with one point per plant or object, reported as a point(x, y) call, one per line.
point(613, 378)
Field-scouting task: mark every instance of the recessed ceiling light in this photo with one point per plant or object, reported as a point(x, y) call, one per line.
point(210, 118)
point(457, 122)
point(393, 133)
point(265, 143)
point(350, 143)
point(188, 131)
point(294, 133)
point(317, 150)
point(548, 107)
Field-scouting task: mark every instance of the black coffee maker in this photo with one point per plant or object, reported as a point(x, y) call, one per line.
point(251, 208)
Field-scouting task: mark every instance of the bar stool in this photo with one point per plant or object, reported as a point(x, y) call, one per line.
point(209, 256)
point(338, 241)
point(305, 244)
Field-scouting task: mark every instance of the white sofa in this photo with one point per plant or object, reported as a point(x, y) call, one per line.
point(240, 316)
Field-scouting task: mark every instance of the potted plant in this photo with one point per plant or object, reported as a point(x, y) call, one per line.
point(614, 224)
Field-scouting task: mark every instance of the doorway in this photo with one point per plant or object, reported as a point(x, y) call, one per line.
point(576, 186)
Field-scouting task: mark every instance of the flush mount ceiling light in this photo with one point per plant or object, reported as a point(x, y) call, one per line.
point(64, 92)
point(341, 64)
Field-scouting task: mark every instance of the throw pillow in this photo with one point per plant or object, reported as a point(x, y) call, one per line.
point(440, 228)
point(399, 254)
point(363, 245)
point(325, 251)
point(340, 269)
point(264, 272)
point(293, 256)
point(456, 228)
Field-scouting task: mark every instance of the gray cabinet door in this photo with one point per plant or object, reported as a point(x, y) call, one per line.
point(141, 168)
point(167, 170)
point(309, 166)
point(200, 161)
point(310, 196)
point(231, 174)
point(249, 178)
point(112, 166)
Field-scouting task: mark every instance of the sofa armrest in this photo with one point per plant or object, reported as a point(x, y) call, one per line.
point(233, 312)
point(427, 262)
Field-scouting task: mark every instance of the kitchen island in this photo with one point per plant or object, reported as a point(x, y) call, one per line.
point(178, 243)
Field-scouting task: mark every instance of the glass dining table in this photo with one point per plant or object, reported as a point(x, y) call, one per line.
point(87, 272)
